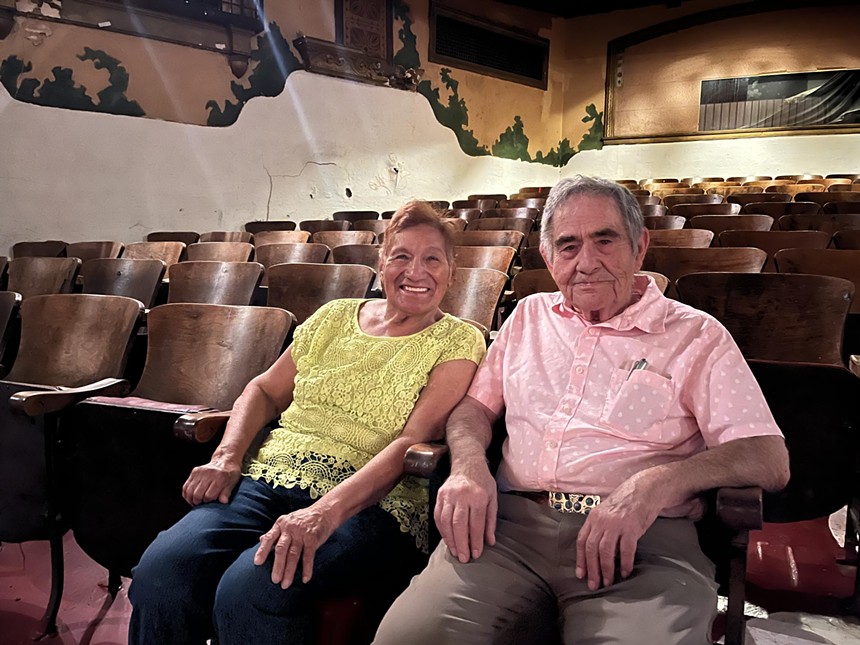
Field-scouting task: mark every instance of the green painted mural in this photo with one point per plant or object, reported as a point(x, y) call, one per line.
point(513, 142)
point(273, 62)
point(61, 91)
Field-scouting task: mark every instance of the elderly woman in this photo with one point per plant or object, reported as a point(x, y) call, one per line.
point(322, 506)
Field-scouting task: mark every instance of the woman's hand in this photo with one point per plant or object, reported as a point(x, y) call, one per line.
point(295, 536)
point(215, 480)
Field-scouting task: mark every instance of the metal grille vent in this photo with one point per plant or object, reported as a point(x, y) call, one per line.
point(464, 42)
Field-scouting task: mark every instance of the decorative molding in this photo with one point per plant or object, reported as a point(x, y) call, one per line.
point(334, 59)
point(731, 134)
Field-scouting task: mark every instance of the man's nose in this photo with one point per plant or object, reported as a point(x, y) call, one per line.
point(587, 259)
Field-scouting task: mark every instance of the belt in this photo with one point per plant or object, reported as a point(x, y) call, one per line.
point(562, 502)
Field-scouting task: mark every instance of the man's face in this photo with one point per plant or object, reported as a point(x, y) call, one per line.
point(593, 260)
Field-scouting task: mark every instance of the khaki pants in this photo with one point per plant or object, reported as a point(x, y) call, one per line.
point(524, 589)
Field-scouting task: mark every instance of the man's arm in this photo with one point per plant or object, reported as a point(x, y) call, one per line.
point(467, 502)
point(615, 526)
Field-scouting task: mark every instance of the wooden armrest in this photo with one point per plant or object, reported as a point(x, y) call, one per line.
point(740, 508)
point(200, 427)
point(39, 402)
point(422, 459)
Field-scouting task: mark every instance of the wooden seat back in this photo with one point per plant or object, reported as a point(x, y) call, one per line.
point(467, 214)
point(775, 316)
point(479, 203)
point(213, 282)
point(536, 203)
point(487, 257)
point(269, 225)
point(489, 238)
point(202, 354)
point(674, 199)
point(833, 262)
point(827, 223)
point(797, 178)
point(683, 193)
point(648, 199)
point(74, 339)
point(512, 211)
point(797, 189)
point(822, 198)
point(688, 210)
point(778, 209)
point(497, 197)
point(91, 250)
point(4, 271)
point(664, 222)
point(531, 258)
point(653, 210)
point(186, 237)
point(37, 276)
point(530, 281)
point(815, 407)
point(271, 254)
point(847, 239)
point(674, 262)
point(337, 238)
point(280, 237)
point(521, 224)
point(747, 178)
point(375, 226)
point(354, 216)
point(366, 254)
point(304, 288)
point(686, 237)
point(226, 236)
point(745, 198)
point(438, 205)
point(772, 241)
point(313, 226)
point(719, 223)
point(220, 252)
point(170, 252)
point(475, 294)
point(138, 279)
point(42, 249)
point(840, 207)
point(727, 191)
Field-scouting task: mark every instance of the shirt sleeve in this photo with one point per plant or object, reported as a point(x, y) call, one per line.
point(464, 343)
point(304, 336)
point(723, 394)
point(488, 385)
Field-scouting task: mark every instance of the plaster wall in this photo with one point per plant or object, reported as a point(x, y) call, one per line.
point(86, 176)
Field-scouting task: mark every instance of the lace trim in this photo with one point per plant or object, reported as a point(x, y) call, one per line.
point(319, 473)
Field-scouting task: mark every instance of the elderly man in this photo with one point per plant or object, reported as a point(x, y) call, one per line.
point(621, 406)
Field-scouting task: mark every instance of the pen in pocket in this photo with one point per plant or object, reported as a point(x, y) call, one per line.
point(641, 364)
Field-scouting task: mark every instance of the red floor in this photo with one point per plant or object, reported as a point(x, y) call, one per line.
point(792, 567)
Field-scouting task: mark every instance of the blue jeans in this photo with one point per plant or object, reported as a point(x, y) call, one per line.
point(198, 579)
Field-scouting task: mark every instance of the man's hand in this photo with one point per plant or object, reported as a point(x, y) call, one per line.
point(613, 528)
point(215, 480)
point(466, 512)
point(294, 537)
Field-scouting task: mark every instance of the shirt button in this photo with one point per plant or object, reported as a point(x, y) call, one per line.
point(552, 445)
point(593, 331)
point(580, 369)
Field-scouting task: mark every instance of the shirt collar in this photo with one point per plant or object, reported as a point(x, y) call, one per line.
point(648, 311)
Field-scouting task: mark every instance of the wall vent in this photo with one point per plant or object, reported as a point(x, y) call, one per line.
point(467, 42)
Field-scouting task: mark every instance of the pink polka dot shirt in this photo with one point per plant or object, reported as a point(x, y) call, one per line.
point(581, 419)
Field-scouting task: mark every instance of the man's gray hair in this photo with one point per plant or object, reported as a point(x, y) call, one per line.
point(569, 187)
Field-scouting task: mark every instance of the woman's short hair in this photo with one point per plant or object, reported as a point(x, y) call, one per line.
point(569, 187)
point(417, 213)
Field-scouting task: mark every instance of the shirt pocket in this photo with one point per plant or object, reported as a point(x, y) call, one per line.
point(637, 404)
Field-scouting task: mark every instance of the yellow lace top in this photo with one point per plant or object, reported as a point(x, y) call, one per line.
point(352, 396)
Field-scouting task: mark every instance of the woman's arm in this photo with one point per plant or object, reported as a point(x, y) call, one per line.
point(298, 535)
point(265, 396)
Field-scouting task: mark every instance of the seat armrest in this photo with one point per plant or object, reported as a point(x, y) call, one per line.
point(200, 427)
point(35, 402)
point(740, 508)
point(422, 459)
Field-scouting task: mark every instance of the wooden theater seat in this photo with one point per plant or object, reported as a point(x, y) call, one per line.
point(138, 279)
point(213, 282)
point(37, 276)
point(304, 288)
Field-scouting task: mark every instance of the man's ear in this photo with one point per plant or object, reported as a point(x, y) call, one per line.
point(642, 248)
